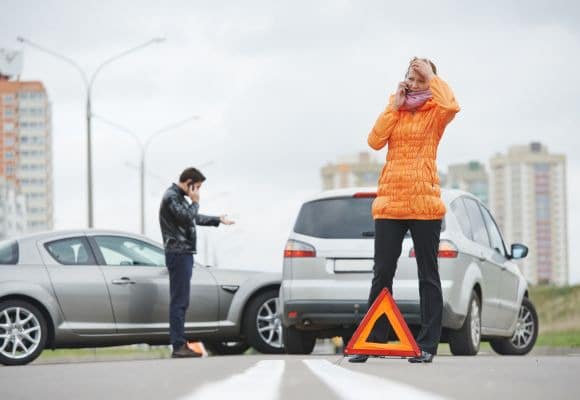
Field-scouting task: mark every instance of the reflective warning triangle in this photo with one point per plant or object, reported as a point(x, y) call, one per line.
point(383, 305)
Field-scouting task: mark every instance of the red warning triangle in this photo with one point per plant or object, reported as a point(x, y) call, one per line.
point(383, 305)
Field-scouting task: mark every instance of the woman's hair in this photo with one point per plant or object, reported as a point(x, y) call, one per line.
point(191, 173)
point(433, 67)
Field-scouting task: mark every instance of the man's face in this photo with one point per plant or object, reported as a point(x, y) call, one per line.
point(195, 185)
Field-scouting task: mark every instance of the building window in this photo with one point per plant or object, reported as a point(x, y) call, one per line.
point(8, 127)
point(31, 95)
point(8, 98)
point(31, 111)
point(542, 167)
point(32, 167)
point(32, 153)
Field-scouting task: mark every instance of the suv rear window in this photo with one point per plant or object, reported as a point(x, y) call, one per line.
point(8, 252)
point(339, 218)
point(336, 218)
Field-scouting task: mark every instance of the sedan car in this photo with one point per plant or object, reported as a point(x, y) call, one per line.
point(328, 268)
point(90, 288)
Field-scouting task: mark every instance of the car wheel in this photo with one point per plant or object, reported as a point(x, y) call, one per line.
point(525, 335)
point(23, 332)
point(298, 342)
point(262, 323)
point(465, 340)
point(226, 348)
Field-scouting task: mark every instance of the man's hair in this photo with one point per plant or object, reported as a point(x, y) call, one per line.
point(191, 173)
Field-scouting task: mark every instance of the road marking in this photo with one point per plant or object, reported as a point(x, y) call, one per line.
point(352, 385)
point(267, 374)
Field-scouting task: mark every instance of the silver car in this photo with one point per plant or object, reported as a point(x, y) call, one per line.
point(328, 264)
point(103, 288)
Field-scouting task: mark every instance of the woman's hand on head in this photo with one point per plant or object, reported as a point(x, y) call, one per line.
point(423, 68)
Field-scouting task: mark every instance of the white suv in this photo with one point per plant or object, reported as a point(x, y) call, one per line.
point(328, 263)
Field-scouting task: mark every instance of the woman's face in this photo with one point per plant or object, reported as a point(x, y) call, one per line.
point(416, 82)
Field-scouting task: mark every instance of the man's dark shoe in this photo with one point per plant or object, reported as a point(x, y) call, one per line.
point(423, 358)
point(185, 352)
point(359, 358)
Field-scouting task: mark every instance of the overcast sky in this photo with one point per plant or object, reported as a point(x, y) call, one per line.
point(282, 88)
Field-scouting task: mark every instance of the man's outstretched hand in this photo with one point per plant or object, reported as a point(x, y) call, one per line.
point(224, 220)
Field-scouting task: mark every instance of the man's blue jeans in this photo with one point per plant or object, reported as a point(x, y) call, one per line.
point(180, 266)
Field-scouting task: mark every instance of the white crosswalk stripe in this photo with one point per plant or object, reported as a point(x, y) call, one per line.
point(267, 374)
point(352, 385)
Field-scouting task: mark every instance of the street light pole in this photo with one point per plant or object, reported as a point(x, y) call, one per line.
point(143, 146)
point(88, 86)
point(142, 179)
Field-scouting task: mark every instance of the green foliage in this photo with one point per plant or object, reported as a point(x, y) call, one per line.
point(560, 339)
point(558, 307)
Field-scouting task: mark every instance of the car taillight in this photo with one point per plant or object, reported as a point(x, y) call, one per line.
point(446, 250)
point(294, 249)
point(364, 195)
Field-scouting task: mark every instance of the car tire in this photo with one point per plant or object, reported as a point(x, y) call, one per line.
point(525, 335)
point(298, 342)
point(465, 341)
point(262, 323)
point(345, 340)
point(23, 332)
point(226, 348)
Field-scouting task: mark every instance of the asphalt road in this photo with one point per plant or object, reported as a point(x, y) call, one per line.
point(298, 377)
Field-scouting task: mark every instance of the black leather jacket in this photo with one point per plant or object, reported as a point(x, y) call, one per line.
point(178, 219)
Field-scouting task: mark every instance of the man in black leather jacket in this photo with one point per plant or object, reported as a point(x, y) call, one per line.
point(178, 219)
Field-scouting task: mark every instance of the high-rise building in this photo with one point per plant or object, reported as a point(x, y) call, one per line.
point(528, 198)
point(361, 170)
point(26, 147)
point(471, 177)
point(12, 210)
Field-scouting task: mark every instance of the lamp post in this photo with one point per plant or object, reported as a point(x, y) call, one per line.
point(89, 82)
point(143, 146)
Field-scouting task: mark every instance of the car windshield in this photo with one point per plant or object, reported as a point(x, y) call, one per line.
point(8, 252)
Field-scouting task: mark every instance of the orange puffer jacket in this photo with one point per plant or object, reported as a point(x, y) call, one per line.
point(409, 184)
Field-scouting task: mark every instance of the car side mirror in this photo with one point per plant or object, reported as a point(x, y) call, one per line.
point(518, 251)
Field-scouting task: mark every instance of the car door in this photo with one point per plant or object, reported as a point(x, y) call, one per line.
point(79, 285)
point(490, 270)
point(509, 284)
point(138, 282)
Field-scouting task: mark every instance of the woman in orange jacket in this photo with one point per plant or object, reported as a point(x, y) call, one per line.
point(409, 196)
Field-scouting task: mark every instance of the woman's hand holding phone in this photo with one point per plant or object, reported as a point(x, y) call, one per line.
point(400, 94)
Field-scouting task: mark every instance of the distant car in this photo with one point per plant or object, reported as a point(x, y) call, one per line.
point(328, 264)
point(104, 288)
